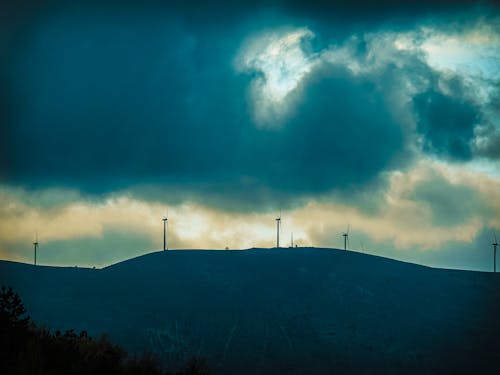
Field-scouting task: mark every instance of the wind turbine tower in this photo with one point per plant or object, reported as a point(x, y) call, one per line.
point(495, 244)
point(346, 237)
point(278, 226)
point(165, 219)
point(35, 245)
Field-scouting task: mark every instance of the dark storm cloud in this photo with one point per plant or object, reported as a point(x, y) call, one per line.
point(491, 147)
point(102, 98)
point(353, 135)
point(104, 104)
point(446, 123)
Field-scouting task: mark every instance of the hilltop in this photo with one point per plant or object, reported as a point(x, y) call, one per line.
point(276, 311)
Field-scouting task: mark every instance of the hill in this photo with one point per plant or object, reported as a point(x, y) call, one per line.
point(276, 311)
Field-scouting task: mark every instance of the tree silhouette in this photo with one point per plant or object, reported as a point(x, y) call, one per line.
point(14, 328)
point(28, 349)
point(12, 311)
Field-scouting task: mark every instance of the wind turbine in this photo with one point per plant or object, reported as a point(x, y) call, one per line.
point(495, 244)
point(346, 237)
point(292, 241)
point(165, 219)
point(35, 244)
point(278, 227)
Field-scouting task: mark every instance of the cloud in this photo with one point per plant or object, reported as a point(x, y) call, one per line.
point(446, 124)
point(101, 111)
point(429, 207)
point(221, 118)
point(451, 203)
point(280, 61)
point(424, 207)
point(439, 80)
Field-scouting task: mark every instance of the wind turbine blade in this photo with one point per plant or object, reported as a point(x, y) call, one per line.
point(495, 235)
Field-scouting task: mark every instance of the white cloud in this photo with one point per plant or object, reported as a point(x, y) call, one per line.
point(401, 64)
point(281, 63)
point(473, 52)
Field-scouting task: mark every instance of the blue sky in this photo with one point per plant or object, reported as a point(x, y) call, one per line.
point(385, 118)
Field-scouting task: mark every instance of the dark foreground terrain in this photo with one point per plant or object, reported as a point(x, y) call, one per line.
point(287, 311)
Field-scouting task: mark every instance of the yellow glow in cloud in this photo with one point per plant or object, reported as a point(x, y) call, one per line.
point(401, 220)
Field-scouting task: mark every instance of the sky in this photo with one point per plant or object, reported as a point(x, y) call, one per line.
point(384, 118)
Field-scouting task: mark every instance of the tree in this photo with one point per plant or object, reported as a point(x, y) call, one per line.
point(28, 349)
point(12, 311)
point(14, 329)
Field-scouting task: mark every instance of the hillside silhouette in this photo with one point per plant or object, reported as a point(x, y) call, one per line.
point(275, 311)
